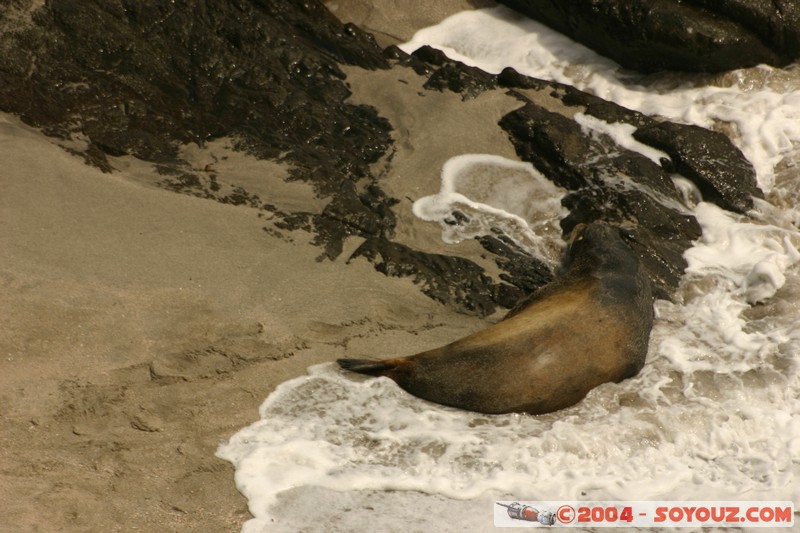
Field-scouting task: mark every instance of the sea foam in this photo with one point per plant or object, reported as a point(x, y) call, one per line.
point(482, 193)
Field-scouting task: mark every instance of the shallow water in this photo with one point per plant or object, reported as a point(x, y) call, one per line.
point(715, 413)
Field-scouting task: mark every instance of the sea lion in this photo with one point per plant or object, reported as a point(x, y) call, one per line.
point(589, 326)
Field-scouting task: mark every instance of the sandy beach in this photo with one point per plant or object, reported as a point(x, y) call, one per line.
point(143, 327)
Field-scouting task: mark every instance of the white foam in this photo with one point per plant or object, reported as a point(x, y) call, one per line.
point(622, 134)
point(491, 193)
point(714, 414)
point(751, 256)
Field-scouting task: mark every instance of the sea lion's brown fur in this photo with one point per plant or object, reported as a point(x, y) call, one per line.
point(590, 326)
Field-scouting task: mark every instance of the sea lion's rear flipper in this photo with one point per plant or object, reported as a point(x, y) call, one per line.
point(366, 366)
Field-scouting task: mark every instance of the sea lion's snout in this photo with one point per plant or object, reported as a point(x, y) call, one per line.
point(596, 232)
point(575, 234)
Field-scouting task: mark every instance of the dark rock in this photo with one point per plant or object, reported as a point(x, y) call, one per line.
point(509, 77)
point(555, 144)
point(561, 150)
point(559, 147)
point(775, 22)
point(366, 214)
point(444, 73)
point(661, 255)
point(455, 281)
point(709, 160)
point(602, 109)
point(415, 60)
point(522, 271)
point(462, 79)
point(688, 35)
point(431, 56)
point(395, 52)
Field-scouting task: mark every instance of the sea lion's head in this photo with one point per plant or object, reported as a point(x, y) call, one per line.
point(598, 246)
point(598, 250)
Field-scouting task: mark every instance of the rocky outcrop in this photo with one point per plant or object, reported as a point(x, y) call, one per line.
point(140, 77)
point(122, 77)
point(607, 181)
point(687, 35)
